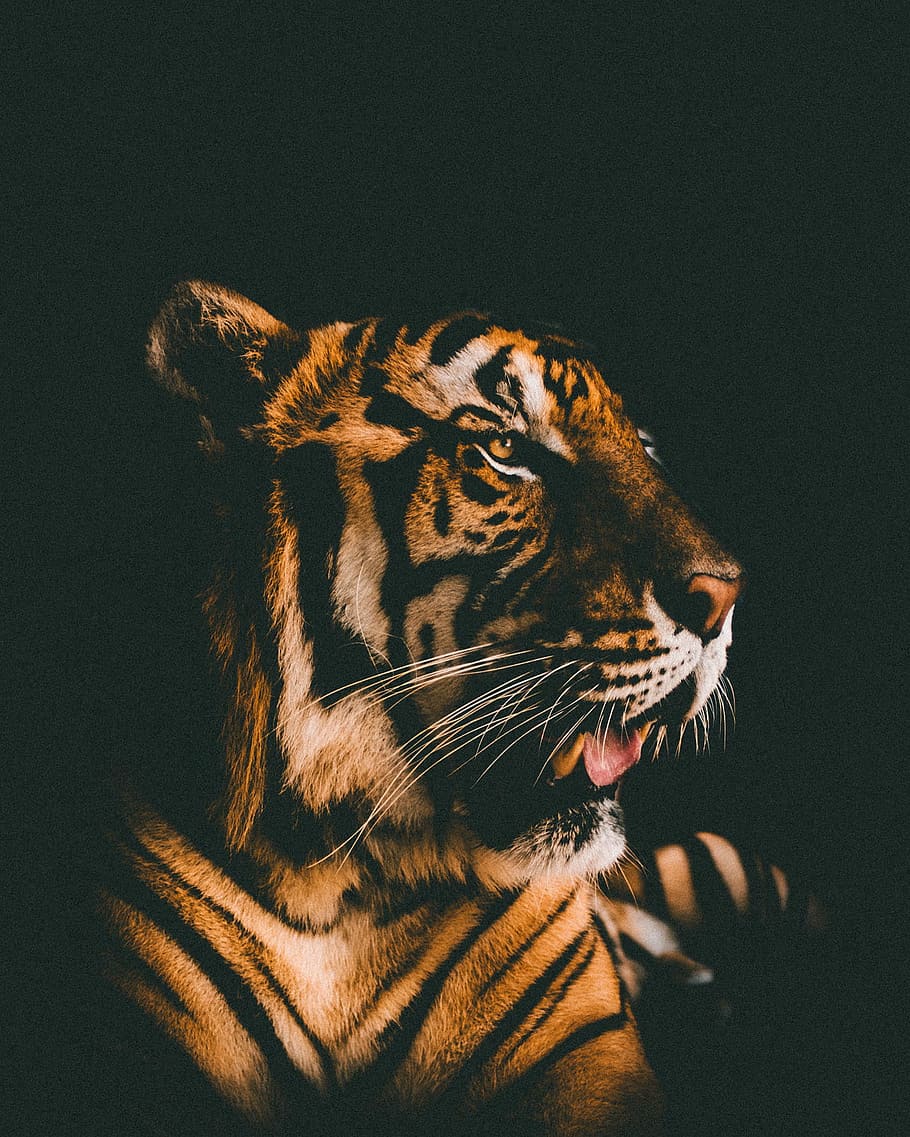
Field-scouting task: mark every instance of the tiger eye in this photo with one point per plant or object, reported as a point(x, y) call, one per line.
point(501, 446)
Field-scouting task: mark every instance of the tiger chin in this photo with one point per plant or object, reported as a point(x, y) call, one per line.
point(454, 602)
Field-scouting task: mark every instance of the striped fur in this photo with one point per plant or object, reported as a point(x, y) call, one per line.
point(512, 988)
point(452, 595)
point(681, 910)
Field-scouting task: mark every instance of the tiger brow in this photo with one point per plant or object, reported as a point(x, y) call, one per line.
point(466, 409)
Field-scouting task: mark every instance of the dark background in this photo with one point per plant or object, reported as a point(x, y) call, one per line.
point(708, 195)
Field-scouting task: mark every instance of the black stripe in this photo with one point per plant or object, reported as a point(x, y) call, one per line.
point(388, 409)
point(237, 994)
point(560, 350)
point(757, 887)
point(385, 335)
point(354, 337)
point(479, 490)
point(512, 537)
point(282, 353)
point(520, 952)
point(593, 627)
point(607, 939)
point(252, 942)
point(420, 896)
point(634, 950)
point(406, 963)
point(373, 379)
point(457, 335)
point(442, 513)
point(609, 943)
point(607, 655)
point(630, 624)
point(313, 498)
point(516, 580)
point(555, 997)
point(513, 542)
point(578, 1038)
point(718, 908)
point(773, 909)
point(397, 1037)
point(299, 834)
point(655, 899)
point(513, 1017)
point(465, 410)
point(490, 375)
point(427, 637)
point(393, 483)
point(129, 962)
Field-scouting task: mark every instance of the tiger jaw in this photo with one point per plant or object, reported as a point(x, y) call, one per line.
point(546, 797)
point(551, 724)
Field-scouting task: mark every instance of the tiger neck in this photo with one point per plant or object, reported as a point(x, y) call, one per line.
point(342, 949)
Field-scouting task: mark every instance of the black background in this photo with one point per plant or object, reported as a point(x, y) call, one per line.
point(707, 194)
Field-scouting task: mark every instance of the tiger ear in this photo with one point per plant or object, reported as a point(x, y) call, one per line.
point(222, 352)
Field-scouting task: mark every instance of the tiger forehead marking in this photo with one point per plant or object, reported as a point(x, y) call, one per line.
point(530, 385)
point(497, 378)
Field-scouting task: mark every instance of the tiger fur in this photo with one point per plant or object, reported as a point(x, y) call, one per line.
point(453, 601)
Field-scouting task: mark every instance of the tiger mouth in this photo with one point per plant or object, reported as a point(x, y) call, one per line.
point(597, 760)
point(560, 788)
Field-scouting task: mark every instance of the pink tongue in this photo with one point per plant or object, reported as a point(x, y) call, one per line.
point(608, 756)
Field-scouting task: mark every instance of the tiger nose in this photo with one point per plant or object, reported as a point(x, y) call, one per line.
point(708, 602)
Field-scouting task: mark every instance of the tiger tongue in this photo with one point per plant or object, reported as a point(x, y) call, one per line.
point(608, 756)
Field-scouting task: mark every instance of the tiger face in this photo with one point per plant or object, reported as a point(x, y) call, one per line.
point(464, 599)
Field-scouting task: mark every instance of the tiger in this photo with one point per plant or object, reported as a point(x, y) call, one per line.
point(452, 602)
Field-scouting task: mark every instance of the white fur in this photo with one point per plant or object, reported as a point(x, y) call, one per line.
point(538, 402)
point(542, 852)
point(711, 664)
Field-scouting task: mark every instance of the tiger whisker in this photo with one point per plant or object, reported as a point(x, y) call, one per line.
point(406, 669)
point(410, 683)
point(424, 766)
point(542, 678)
point(726, 694)
point(511, 728)
point(506, 729)
point(457, 672)
point(475, 730)
point(471, 707)
point(505, 750)
point(566, 735)
point(410, 775)
point(565, 687)
point(451, 746)
point(600, 715)
point(564, 738)
point(622, 872)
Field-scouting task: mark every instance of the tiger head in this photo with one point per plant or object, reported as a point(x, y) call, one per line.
point(455, 594)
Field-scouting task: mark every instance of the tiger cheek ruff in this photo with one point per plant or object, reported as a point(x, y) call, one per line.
point(454, 603)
